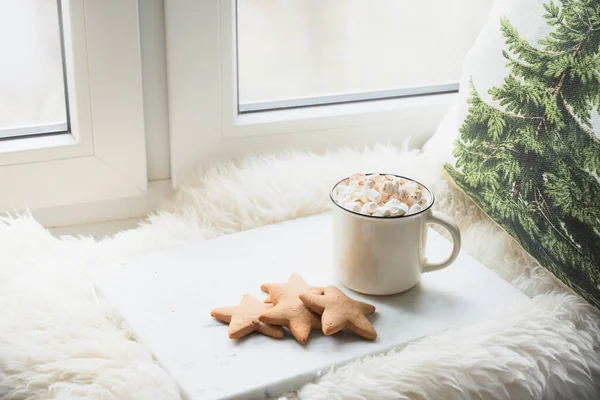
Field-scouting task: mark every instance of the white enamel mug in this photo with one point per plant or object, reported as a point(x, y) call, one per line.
point(386, 255)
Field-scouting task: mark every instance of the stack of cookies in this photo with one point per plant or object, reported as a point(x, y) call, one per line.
point(300, 308)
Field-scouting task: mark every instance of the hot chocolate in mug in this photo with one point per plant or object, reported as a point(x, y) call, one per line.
point(386, 255)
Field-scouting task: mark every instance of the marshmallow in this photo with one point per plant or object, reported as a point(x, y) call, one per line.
point(373, 195)
point(411, 200)
point(343, 200)
point(398, 209)
point(415, 208)
point(342, 189)
point(360, 196)
point(352, 206)
point(375, 177)
point(369, 208)
point(403, 193)
point(369, 183)
point(357, 177)
point(359, 188)
point(388, 187)
point(416, 198)
point(392, 201)
point(382, 212)
point(395, 187)
point(353, 187)
point(411, 186)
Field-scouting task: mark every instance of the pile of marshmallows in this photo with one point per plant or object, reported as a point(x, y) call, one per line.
point(381, 195)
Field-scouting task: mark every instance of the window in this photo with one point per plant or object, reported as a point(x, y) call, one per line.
point(71, 107)
point(31, 73)
point(312, 52)
point(254, 75)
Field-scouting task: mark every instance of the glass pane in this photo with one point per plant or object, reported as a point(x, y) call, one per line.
point(295, 49)
point(32, 91)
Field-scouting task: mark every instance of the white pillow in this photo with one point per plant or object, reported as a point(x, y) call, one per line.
point(527, 132)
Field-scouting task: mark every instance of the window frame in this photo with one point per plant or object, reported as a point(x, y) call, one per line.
point(203, 106)
point(104, 155)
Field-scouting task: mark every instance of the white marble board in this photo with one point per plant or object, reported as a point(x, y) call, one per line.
point(166, 297)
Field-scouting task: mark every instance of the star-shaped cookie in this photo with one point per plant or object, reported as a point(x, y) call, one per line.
point(340, 311)
point(243, 318)
point(288, 310)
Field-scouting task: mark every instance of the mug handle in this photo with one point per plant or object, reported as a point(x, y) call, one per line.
point(446, 222)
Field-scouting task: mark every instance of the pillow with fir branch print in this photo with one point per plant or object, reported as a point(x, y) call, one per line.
point(528, 145)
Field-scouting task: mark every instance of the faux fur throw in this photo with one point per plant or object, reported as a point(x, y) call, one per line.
point(60, 340)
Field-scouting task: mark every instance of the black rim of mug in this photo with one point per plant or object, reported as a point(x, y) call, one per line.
point(383, 218)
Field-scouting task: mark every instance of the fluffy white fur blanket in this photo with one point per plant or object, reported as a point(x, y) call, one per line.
point(59, 340)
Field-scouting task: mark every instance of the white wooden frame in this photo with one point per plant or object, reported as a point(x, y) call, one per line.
point(104, 155)
point(204, 119)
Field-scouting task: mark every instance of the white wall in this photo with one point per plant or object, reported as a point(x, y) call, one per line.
point(154, 74)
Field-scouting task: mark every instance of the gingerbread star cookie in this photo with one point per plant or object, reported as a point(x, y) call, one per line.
point(288, 310)
point(340, 311)
point(243, 318)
